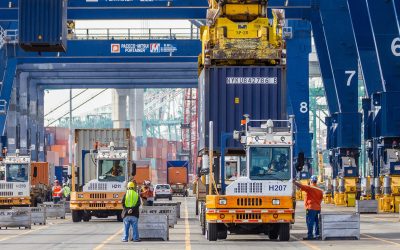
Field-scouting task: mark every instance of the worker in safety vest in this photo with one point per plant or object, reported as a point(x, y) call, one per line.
point(57, 192)
point(147, 193)
point(130, 214)
point(312, 203)
point(66, 191)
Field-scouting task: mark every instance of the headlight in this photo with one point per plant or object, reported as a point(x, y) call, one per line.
point(115, 195)
point(222, 201)
point(276, 202)
point(80, 196)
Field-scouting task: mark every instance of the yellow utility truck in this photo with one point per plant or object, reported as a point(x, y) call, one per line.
point(102, 160)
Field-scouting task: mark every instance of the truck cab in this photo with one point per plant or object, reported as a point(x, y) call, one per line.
point(262, 200)
point(14, 181)
point(101, 197)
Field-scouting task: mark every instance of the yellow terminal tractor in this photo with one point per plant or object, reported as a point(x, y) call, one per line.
point(15, 181)
point(99, 182)
point(261, 199)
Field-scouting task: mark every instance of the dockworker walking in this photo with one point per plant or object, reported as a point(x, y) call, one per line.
point(312, 203)
point(66, 191)
point(130, 213)
point(57, 192)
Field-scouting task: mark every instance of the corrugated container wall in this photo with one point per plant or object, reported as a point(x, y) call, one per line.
point(85, 139)
point(42, 170)
point(226, 93)
point(43, 25)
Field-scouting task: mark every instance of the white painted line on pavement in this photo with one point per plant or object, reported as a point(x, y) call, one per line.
point(306, 243)
point(387, 241)
point(108, 240)
point(187, 228)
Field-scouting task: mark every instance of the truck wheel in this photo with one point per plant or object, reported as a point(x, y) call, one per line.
point(170, 198)
point(86, 217)
point(284, 232)
point(212, 231)
point(203, 218)
point(76, 215)
point(273, 234)
point(197, 207)
point(155, 198)
point(119, 217)
point(222, 234)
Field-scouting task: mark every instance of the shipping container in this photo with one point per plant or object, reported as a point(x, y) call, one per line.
point(42, 173)
point(43, 25)
point(177, 172)
point(143, 172)
point(226, 93)
point(85, 139)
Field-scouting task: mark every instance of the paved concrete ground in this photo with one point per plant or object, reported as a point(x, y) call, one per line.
point(378, 232)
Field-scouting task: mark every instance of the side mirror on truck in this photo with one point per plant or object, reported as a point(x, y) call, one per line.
point(133, 171)
point(300, 162)
point(35, 172)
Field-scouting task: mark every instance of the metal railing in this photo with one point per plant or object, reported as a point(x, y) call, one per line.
point(8, 36)
point(135, 34)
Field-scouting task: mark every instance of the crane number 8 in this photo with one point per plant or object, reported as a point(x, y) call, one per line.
point(303, 107)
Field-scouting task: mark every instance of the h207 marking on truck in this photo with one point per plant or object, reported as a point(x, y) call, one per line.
point(277, 187)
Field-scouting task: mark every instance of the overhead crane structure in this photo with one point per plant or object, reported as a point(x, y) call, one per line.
point(346, 33)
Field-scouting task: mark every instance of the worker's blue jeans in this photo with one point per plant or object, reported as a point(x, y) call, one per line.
point(312, 222)
point(130, 221)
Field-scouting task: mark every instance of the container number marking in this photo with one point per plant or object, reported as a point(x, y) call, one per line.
point(351, 74)
point(396, 46)
point(303, 107)
point(277, 187)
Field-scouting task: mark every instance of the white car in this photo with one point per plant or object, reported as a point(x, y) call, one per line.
point(162, 191)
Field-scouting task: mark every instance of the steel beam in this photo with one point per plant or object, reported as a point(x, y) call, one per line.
point(298, 50)
point(103, 9)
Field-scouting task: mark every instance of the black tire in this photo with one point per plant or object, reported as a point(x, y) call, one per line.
point(170, 198)
point(222, 234)
point(212, 231)
point(273, 234)
point(203, 218)
point(76, 215)
point(86, 217)
point(197, 207)
point(119, 217)
point(155, 198)
point(284, 232)
point(273, 231)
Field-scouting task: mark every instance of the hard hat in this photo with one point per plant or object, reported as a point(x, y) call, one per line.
point(147, 182)
point(131, 185)
point(314, 179)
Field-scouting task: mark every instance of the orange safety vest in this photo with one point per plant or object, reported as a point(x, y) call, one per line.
point(57, 191)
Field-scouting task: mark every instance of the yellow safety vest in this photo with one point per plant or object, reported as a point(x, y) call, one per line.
point(131, 198)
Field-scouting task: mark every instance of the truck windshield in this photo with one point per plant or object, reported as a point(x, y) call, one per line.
point(112, 170)
point(17, 172)
point(270, 163)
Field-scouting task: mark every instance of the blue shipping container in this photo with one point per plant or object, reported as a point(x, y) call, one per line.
point(43, 25)
point(226, 93)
